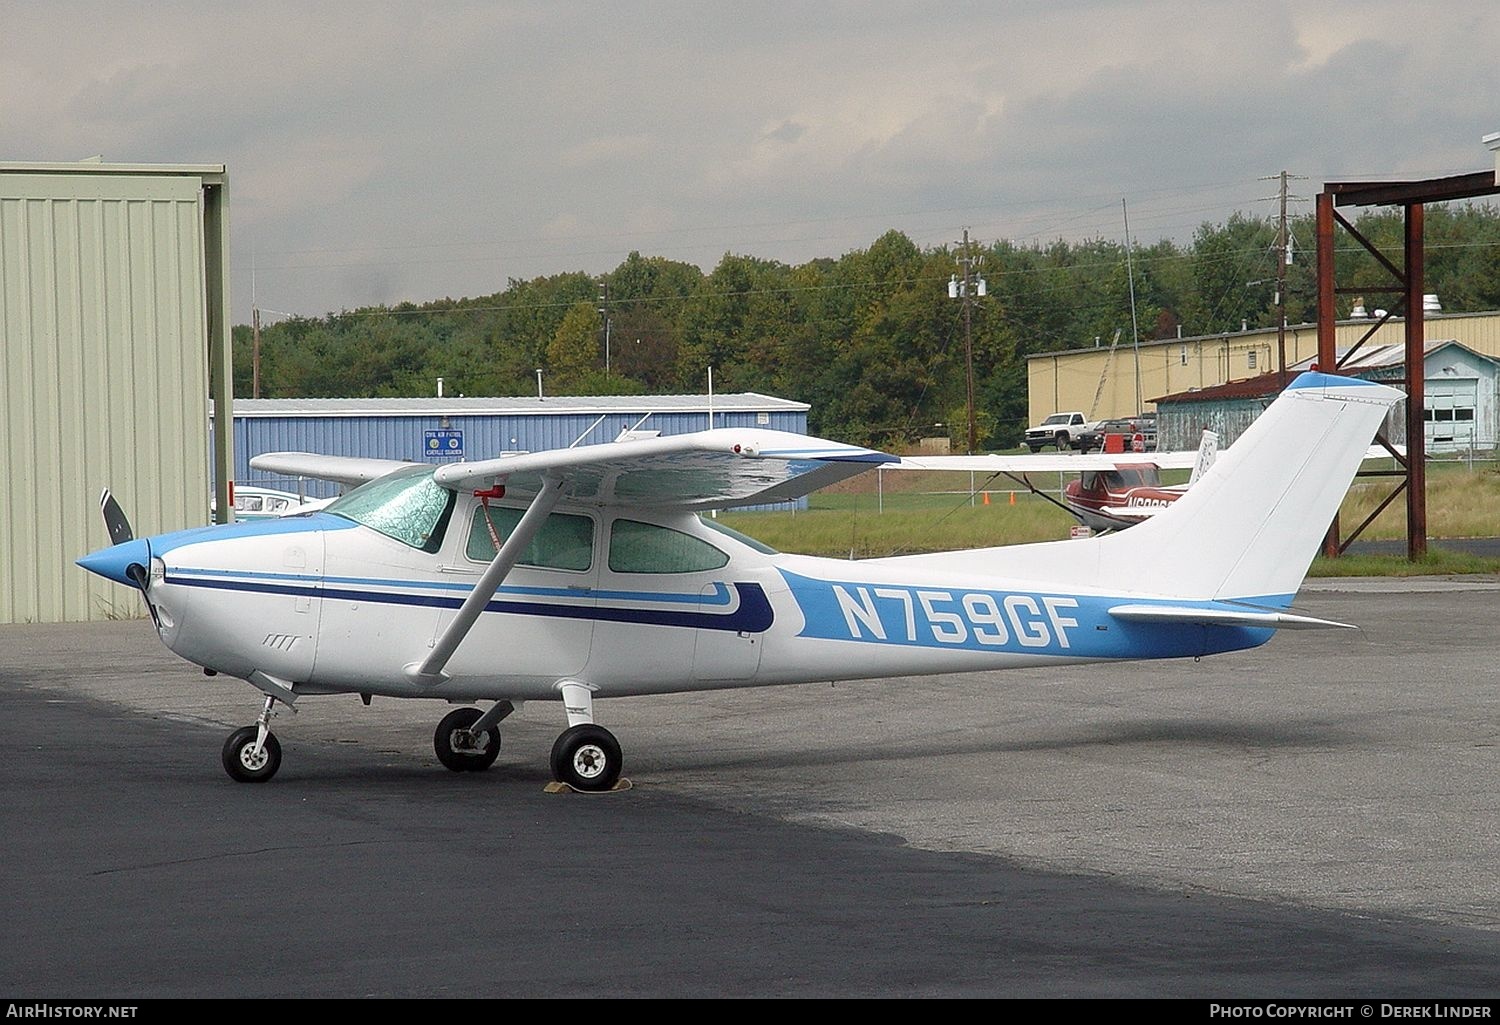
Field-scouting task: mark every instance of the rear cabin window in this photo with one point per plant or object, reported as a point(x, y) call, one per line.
point(744, 539)
point(406, 506)
point(646, 548)
point(564, 542)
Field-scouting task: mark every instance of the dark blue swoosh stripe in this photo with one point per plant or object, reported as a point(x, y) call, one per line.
point(754, 614)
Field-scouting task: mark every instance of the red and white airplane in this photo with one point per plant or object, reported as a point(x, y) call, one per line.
point(1112, 490)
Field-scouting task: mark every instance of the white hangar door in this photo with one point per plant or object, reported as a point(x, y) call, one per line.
point(1450, 414)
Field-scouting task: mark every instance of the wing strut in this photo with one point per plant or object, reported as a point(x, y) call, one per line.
point(430, 669)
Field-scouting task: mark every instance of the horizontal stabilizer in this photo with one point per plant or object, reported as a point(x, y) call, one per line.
point(1265, 619)
point(350, 470)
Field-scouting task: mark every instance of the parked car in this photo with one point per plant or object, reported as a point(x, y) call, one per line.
point(1093, 438)
point(1060, 429)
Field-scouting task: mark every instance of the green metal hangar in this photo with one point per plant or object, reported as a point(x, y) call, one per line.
point(114, 332)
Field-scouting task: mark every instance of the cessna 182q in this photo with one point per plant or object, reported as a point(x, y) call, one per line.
point(586, 573)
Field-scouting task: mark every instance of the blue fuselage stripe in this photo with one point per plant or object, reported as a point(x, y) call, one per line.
point(753, 614)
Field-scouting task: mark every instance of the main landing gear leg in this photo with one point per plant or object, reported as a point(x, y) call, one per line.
point(586, 756)
point(252, 754)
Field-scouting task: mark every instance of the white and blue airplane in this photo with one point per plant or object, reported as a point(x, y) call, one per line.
point(587, 573)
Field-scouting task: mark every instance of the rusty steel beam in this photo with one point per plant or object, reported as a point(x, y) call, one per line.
point(1327, 350)
point(1416, 387)
point(1403, 193)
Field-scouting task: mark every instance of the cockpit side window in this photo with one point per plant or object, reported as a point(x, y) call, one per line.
point(407, 506)
point(565, 541)
point(636, 547)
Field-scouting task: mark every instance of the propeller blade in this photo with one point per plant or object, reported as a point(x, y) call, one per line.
point(114, 519)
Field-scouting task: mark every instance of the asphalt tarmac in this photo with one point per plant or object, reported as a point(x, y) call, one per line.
point(1319, 817)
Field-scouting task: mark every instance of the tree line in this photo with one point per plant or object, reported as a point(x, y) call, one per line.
point(871, 339)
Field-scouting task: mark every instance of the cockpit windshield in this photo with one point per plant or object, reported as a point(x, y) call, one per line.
point(406, 505)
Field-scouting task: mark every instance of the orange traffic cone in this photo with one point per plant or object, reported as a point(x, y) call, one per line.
point(986, 498)
point(1012, 498)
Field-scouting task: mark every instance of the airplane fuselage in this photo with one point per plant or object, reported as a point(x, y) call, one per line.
point(1122, 497)
point(598, 578)
point(638, 604)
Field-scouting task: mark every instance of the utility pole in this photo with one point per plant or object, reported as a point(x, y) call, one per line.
point(967, 290)
point(1283, 257)
point(255, 353)
point(254, 330)
point(1283, 261)
point(1135, 328)
point(604, 312)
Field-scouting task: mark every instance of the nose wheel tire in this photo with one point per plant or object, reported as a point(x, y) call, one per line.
point(459, 750)
point(587, 757)
point(244, 763)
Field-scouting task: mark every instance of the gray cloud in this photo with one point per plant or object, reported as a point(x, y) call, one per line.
point(390, 151)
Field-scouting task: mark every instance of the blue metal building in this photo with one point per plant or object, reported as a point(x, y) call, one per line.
point(440, 430)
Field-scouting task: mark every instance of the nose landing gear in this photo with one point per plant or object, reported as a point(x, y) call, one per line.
point(252, 754)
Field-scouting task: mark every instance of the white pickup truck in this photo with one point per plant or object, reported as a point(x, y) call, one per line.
point(1061, 429)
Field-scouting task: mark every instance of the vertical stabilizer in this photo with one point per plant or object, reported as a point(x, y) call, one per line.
point(1208, 451)
point(1249, 528)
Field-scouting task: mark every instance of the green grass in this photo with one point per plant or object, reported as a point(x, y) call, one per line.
point(1438, 562)
point(1460, 503)
point(845, 526)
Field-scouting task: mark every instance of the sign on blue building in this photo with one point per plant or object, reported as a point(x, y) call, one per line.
point(443, 444)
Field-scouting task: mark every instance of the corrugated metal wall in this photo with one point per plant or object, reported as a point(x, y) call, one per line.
point(103, 352)
point(395, 436)
point(1070, 380)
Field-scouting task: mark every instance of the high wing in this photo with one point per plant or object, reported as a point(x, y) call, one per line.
point(1074, 463)
point(350, 470)
point(1077, 463)
point(716, 469)
point(713, 469)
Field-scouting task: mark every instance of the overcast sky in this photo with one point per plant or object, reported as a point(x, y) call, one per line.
point(381, 152)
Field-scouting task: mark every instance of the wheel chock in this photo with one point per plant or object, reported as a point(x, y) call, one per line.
point(564, 788)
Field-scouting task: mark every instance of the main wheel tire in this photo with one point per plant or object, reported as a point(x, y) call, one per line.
point(587, 757)
point(242, 762)
point(462, 759)
point(1062, 441)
